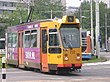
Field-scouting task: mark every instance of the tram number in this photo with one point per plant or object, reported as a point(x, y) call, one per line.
point(30, 55)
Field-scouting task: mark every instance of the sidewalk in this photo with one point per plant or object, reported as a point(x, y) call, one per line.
point(105, 54)
point(97, 63)
point(102, 54)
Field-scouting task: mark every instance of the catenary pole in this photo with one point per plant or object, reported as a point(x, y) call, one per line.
point(92, 31)
point(106, 32)
point(97, 30)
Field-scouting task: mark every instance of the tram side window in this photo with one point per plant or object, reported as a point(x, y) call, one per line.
point(10, 39)
point(83, 34)
point(34, 38)
point(54, 43)
point(27, 39)
point(2, 44)
point(14, 40)
point(44, 42)
point(53, 40)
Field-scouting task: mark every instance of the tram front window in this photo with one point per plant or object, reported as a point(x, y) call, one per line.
point(70, 35)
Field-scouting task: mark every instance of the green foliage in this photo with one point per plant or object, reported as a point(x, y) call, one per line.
point(2, 31)
point(86, 22)
point(42, 10)
point(0, 63)
point(94, 59)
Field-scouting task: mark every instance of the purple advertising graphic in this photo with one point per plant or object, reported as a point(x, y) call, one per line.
point(16, 53)
point(28, 26)
point(12, 53)
point(32, 54)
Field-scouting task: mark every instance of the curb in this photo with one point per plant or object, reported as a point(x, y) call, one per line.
point(97, 63)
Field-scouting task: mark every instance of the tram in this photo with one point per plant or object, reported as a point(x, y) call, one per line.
point(86, 45)
point(51, 45)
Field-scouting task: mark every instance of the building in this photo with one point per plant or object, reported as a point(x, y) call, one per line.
point(8, 6)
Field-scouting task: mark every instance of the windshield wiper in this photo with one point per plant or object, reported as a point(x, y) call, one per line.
point(64, 39)
point(69, 45)
point(65, 42)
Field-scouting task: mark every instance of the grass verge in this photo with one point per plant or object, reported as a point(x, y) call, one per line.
point(94, 59)
point(1, 61)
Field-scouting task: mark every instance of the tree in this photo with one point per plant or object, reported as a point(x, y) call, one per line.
point(43, 9)
point(85, 7)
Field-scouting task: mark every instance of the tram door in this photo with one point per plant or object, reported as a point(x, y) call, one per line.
point(20, 50)
point(44, 60)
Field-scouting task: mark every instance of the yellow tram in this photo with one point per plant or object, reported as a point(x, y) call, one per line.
point(52, 45)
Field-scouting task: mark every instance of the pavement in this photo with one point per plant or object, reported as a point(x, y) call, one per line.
point(105, 54)
point(97, 63)
point(102, 54)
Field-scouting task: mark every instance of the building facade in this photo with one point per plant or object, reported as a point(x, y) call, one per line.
point(8, 6)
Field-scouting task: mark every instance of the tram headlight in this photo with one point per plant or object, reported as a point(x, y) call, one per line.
point(66, 57)
point(78, 57)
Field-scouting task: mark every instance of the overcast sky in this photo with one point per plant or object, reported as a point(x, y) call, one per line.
point(73, 3)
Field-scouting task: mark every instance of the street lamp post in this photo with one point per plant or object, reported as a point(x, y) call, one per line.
point(80, 15)
point(51, 14)
point(106, 32)
point(92, 31)
point(28, 3)
point(97, 30)
point(106, 47)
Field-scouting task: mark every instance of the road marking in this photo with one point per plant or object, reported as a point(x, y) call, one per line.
point(17, 72)
point(79, 80)
point(98, 68)
point(55, 78)
point(13, 69)
point(73, 80)
point(98, 63)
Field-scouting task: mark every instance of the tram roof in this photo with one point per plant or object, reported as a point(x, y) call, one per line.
point(60, 20)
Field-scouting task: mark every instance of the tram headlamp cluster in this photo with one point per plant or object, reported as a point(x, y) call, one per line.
point(66, 57)
point(78, 57)
point(65, 49)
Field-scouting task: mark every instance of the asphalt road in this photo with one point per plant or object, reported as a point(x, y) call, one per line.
point(94, 72)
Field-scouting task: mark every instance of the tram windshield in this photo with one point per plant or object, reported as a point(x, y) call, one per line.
point(70, 35)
